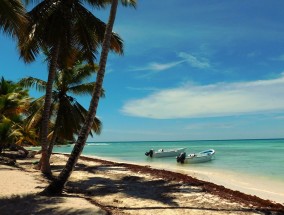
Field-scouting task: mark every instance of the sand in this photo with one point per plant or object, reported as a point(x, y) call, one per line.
point(262, 187)
point(103, 187)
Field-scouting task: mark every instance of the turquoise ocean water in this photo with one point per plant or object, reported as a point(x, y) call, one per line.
point(257, 158)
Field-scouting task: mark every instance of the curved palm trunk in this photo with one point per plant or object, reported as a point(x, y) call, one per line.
point(45, 166)
point(58, 122)
point(56, 186)
point(53, 139)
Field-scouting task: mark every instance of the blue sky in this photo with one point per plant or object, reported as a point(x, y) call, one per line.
point(191, 70)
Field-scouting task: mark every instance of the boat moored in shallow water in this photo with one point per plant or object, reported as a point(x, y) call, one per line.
point(164, 152)
point(200, 157)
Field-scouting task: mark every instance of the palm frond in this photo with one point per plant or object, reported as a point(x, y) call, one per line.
point(82, 89)
point(103, 3)
point(131, 3)
point(29, 82)
point(97, 3)
point(12, 17)
point(85, 89)
point(68, 125)
point(97, 125)
point(35, 35)
point(32, 1)
point(88, 23)
point(82, 72)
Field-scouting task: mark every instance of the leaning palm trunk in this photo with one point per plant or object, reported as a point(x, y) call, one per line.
point(53, 139)
point(56, 186)
point(58, 123)
point(44, 164)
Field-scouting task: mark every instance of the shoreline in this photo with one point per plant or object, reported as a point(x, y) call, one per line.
point(263, 188)
point(219, 190)
point(122, 188)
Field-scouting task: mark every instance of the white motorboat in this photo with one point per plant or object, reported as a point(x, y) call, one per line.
point(199, 157)
point(165, 152)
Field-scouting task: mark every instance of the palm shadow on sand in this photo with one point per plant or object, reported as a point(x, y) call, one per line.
point(157, 190)
point(42, 205)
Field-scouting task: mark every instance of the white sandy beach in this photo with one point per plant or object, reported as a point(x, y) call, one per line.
point(116, 189)
point(262, 187)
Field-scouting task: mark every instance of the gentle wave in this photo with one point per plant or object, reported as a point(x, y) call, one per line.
point(98, 144)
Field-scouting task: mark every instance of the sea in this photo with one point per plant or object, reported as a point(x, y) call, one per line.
point(243, 163)
point(257, 157)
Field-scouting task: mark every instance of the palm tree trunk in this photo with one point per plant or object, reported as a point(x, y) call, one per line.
point(56, 186)
point(58, 123)
point(53, 139)
point(45, 166)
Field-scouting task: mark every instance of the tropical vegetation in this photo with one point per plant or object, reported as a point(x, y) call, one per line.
point(13, 17)
point(68, 83)
point(14, 103)
point(57, 185)
point(64, 29)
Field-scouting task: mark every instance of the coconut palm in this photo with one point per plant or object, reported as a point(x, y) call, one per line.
point(67, 81)
point(58, 184)
point(62, 27)
point(14, 101)
point(12, 17)
point(25, 135)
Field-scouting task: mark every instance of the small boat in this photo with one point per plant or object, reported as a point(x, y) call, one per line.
point(199, 157)
point(164, 152)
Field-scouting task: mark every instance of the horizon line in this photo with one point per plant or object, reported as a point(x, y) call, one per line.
point(280, 138)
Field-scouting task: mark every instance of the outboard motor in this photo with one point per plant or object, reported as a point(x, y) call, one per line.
point(181, 157)
point(150, 153)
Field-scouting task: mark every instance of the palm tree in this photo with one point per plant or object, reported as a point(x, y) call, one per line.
point(14, 101)
point(63, 27)
point(56, 186)
point(12, 17)
point(24, 134)
point(70, 80)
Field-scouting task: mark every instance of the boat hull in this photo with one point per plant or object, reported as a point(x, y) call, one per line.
point(198, 159)
point(167, 153)
point(201, 157)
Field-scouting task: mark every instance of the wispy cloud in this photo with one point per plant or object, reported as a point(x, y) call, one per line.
point(253, 54)
point(154, 66)
point(279, 58)
point(221, 99)
point(143, 88)
point(193, 61)
point(202, 126)
point(201, 63)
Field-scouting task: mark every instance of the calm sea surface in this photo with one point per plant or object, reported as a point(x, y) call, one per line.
point(258, 158)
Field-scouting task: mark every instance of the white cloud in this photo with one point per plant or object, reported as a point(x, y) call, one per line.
point(158, 66)
point(193, 61)
point(201, 63)
point(221, 99)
